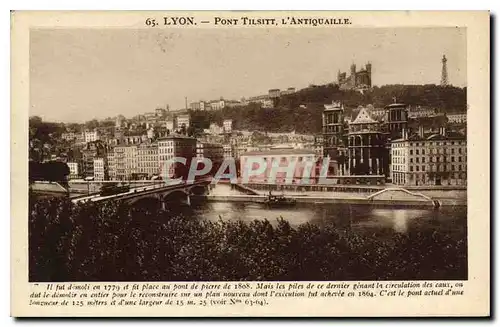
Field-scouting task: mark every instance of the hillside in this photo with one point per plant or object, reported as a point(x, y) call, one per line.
point(289, 115)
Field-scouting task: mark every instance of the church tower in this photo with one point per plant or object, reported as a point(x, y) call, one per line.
point(333, 133)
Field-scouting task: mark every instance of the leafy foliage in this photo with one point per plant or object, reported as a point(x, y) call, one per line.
point(113, 242)
point(301, 111)
point(48, 171)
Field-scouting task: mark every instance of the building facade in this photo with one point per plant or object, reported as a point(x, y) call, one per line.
point(74, 172)
point(183, 120)
point(396, 120)
point(302, 161)
point(274, 93)
point(91, 136)
point(69, 136)
point(367, 146)
point(263, 100)
point(457, 118)
point(436, 159)
point(169, 124)
point(333, 137)
point(160, 112)
point(131, 162)
point(217, 104)
point(175, 146)
point(290, 90)
point(419, 112)
point(119, 159)
point(92, 150)
point(100, 171)
point(227, 125)
point(147, 154)
point(228, 151)
point(212, 151)
point(111, 164)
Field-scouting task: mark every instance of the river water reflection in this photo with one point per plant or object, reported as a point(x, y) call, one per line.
point(359, 218)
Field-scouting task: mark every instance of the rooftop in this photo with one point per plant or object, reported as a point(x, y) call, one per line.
point(363, 117)
point(395, 105)
point(275, 152)
point(334, 106)
point(434, 137)
point(175, 136)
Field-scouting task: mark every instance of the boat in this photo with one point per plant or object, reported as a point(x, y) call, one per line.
point(279, 201)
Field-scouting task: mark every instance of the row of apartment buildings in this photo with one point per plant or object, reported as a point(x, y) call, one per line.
point(265, 100)
point(425, 159)
point(145, 160)
point(381, 143)
point(214, 104)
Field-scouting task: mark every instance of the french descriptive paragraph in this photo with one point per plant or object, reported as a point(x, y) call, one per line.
point(227, 294)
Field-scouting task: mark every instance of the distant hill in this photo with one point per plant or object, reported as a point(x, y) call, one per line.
point(301, 111)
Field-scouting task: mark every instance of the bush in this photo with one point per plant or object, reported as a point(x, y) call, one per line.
point(112, 242)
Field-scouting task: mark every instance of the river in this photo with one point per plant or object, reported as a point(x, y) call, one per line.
point(451, 220)
point(362, 218)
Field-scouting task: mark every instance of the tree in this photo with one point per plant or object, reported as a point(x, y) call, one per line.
point(51, 171)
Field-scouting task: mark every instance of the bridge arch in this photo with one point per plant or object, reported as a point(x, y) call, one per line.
point(175, 195)
point(401, 194)
point(149, 201)
point(198, 190)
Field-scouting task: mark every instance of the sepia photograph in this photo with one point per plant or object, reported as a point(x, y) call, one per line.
point(248, 154)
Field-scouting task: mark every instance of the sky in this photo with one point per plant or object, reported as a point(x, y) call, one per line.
point(80, 74)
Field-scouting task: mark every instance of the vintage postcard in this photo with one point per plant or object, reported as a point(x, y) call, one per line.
point(263, 164)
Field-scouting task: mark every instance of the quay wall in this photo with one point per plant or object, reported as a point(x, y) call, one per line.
point(435, 192)
point(330, 200)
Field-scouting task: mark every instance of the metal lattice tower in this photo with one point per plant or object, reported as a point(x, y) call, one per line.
point(444, 72)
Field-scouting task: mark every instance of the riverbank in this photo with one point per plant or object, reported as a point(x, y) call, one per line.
point(388, 196)
point(346, 199)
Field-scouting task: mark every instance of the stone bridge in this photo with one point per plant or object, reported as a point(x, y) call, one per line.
point(155, 194)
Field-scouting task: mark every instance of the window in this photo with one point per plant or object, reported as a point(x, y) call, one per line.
point(423, 168)
point(411, 168)
point(423, 151)
point(411, 160)
point(460, 150)
point(416, 152)
point(423, 159)
point(417, 168)
point(411, 152)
